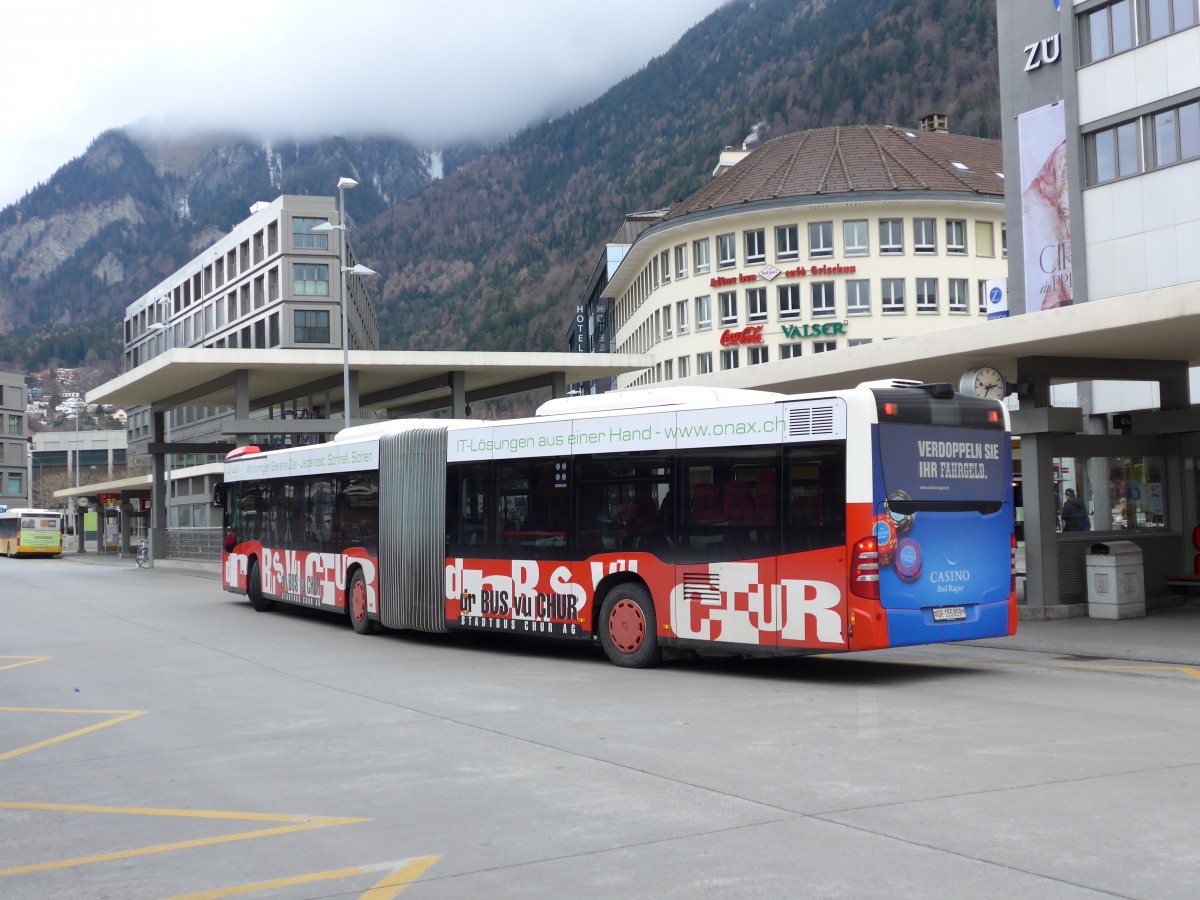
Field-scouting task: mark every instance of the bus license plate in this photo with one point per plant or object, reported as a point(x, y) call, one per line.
point(949, 613)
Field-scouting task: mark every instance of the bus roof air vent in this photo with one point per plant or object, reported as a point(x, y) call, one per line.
point(813, 420)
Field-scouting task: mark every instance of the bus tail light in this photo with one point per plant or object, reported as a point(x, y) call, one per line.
point(864, 569)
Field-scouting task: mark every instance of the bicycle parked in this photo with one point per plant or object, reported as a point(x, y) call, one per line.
point(142, 557)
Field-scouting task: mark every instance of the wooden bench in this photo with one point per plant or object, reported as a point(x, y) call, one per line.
point(1183, 582)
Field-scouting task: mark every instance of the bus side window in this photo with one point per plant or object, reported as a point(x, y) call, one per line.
point(468, 493)
point(816, 494)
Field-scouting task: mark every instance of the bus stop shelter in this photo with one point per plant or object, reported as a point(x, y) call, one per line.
point(252, 383)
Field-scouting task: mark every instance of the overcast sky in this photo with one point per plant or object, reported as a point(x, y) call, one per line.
point(430, 71)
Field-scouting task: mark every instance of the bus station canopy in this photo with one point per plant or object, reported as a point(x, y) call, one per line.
point(1148, 337)
point(402, 381)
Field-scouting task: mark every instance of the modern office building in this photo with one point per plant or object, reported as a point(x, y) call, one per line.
point(812, 242)
point(14, 444)
point(1100, 106)
point(273, 282)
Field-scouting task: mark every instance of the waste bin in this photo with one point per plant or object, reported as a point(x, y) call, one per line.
point(1116, 581)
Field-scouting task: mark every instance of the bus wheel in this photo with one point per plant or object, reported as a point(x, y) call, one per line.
point(628, 627)
point(254, 590)
point(356, 605)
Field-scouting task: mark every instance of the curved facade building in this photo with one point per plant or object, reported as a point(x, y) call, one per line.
point(815, 241)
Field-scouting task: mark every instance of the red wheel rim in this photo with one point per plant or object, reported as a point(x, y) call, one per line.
point(627, 626)
point(358, 601)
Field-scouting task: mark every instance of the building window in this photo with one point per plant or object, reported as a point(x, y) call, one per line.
point(1004, 241)
point(1168, 16)
point(681, 261)
point(787, 242)
point(756, 305)
point(1114, 153)
point(757, 355)
point(787, 351)
point(857, 342)
point(789, 301)
point(14, 483)
point(273, 330)
point(681, 316)
point(956, 236)
point(14, 426)
point(728, 305)
point(854, 236)
point(820, 239)
point(729, 359)
point(927, 295)
point(703, 313)
point(703, 363)
point(303, 237)
point(668, 369)
point(756, 246)
point(726, 251)
point(666, 319)
point(307, 280)
point(858, 298)
point(1176, 134)
point(664, 263)
point(824, 346)
point(924, 235)
point(985, 239)
point(1106, 31)
point(983, 297)
point(685, 366)
point(893, 296)
point(822, 299)
point(958, 295)
point(891, 236)
point(311, 326)
point(700, 249)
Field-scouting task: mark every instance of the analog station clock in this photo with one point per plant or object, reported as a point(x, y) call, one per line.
point(984, 381)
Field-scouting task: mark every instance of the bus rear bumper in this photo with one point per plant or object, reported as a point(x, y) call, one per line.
point(907, 627)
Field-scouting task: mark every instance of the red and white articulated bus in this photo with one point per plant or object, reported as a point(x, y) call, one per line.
point(720, 520)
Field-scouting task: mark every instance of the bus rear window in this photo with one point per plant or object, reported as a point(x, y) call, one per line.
point(944, 466)
point(915, 406)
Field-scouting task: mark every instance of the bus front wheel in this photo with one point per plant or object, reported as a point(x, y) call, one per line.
point(356, 605)
point(254, 590)
point(629, 628)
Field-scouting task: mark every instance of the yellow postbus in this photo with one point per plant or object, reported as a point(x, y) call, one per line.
point(31, 532)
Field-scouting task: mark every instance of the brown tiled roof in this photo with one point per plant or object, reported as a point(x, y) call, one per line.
point(854, 159)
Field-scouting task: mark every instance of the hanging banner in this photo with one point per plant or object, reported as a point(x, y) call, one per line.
point(1045, 215)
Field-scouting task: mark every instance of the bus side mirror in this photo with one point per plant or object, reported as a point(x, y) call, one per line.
point(218, 495)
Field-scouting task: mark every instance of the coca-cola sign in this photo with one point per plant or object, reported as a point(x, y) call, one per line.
point(751, 334)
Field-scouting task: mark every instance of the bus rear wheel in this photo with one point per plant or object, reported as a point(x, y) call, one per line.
point(356, 605)
point(254, 590)
point(629, 628)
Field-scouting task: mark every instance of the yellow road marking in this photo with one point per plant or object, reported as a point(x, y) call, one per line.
point(182, 813)
point(301, 823)
point(121, 715)
point(393, 884)
point(25, 661)
point(397, 881)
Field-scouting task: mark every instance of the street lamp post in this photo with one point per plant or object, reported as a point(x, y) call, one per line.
point(343, 185)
